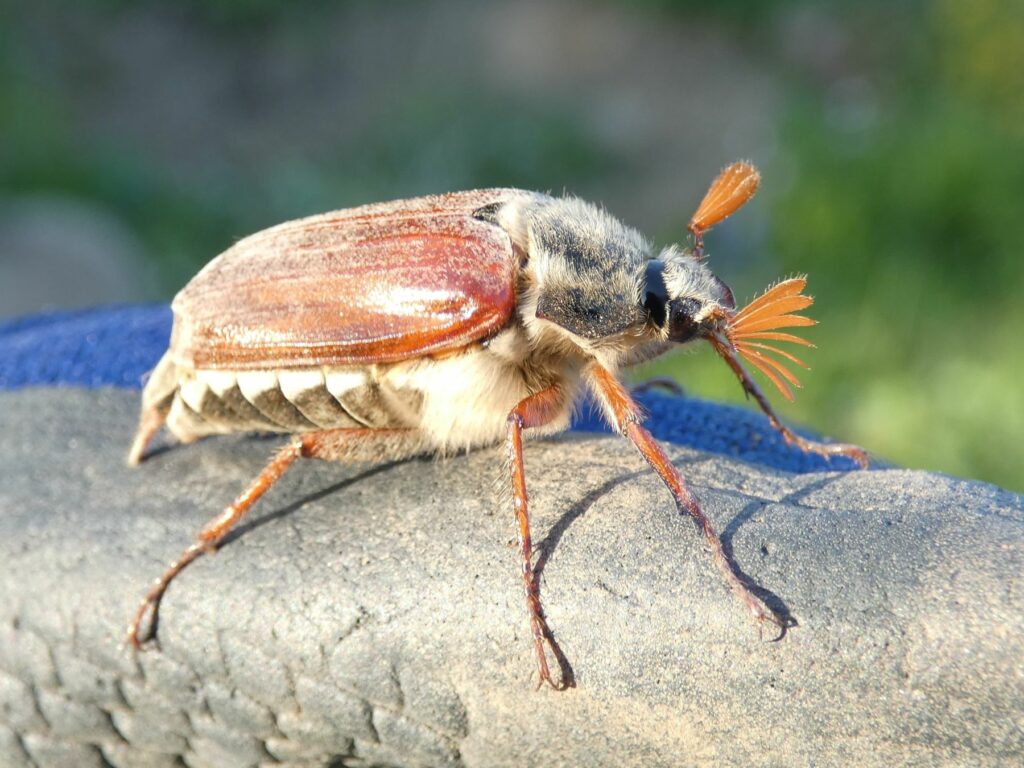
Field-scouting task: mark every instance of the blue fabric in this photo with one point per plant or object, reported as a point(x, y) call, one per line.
point(117, 346)
point(107, 347)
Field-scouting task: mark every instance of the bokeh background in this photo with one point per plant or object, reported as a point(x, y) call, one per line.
point(140, 138)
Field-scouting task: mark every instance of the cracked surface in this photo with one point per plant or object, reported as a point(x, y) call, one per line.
point(374, 616)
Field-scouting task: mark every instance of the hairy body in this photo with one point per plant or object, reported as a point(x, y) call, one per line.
point(455, 398)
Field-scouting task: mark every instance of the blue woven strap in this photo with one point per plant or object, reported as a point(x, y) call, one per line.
point(116, 346)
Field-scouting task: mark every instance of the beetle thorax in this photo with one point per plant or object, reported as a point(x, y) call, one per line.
point(580, 287)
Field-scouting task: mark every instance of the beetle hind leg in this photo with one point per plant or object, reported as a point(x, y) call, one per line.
point(346, 445)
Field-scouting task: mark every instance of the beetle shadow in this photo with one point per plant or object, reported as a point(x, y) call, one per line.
point(157, 449)
point(547, 545)
point(777, 605)
point(244, 528)
point(256, 523)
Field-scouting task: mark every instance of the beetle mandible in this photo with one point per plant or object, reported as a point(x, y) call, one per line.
point(448, 323)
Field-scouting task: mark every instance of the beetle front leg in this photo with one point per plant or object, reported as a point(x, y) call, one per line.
point(329, 445)
point(534, 411)
point(624, 414)
point(826, 450)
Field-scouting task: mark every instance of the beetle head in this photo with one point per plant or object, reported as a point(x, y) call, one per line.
point(683, 299)
point(590, 281)
point(593, 284)
point(589, 284)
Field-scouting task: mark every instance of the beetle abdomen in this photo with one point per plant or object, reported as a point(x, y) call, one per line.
point(208, 402)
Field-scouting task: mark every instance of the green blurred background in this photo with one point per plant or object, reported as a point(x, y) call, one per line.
point(139, 139)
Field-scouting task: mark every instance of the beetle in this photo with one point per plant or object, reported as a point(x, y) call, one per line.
point(451, 322)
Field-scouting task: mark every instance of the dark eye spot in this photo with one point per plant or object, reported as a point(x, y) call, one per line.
point(681, 326)
point(655, 306)
point(657, 293)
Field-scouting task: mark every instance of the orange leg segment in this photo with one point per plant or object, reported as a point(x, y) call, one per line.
point(330, 445)
point(534, 411)
point(625, 416)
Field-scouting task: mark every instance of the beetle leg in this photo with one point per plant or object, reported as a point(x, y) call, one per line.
point(827, 450)
point(625, 416)
point(329, 445)
point(534, 411)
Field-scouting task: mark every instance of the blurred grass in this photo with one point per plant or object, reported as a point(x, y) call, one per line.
point(906, 212)
point(898, 187)
point(426, 144)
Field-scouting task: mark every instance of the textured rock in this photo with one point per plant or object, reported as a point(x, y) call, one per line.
point(375, 616)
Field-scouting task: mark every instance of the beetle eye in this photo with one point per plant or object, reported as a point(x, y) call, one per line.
point(681, 312)
point(655, 306)
point(656, 292)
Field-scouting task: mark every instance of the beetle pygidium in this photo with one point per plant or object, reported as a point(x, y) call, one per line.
point(452, 322)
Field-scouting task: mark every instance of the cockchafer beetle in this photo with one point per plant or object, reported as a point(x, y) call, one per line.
point(448, 323)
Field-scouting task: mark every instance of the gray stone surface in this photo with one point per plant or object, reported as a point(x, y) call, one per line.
point(374, 616)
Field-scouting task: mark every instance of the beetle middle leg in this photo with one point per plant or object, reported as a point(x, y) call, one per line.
point(536, 410)
point(347, 445)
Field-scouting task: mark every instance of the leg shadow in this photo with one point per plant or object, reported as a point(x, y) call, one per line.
point(772, 600)
point(547, 545)
point(277, 514)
